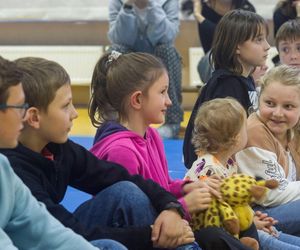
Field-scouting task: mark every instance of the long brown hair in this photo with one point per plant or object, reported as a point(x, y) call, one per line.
point(114, 79)
point(234, 28)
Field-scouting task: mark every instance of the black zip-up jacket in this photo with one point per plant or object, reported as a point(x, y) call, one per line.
point(223, 83)
point(75, 166)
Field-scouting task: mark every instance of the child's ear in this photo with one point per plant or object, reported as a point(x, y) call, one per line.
point(33, 117)
point(238, 51)
point(136, 99)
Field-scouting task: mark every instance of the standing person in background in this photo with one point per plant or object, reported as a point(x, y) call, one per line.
point(273, 147)
point(239, 46)
point(151, 26)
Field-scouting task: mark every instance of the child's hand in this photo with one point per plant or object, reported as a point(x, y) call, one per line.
point(197, 11)
point(264, 222)
point(170, 230)
point(212, 183)
point(187, 236)
point(197, 200)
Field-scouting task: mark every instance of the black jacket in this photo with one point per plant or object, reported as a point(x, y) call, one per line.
point(75, 166)
point(279, 18)
point(206, 29)
point(222, 84)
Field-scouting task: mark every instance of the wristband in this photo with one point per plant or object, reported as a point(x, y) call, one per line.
point(177, 207)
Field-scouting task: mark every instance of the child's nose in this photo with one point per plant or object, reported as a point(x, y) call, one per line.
point(277, 111)
point(74, 113)
point(168, 101)
point(267, 45)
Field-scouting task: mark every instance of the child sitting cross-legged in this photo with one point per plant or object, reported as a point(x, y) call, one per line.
point(130, 92)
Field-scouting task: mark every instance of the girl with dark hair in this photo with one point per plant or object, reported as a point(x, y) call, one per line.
point(239, 46)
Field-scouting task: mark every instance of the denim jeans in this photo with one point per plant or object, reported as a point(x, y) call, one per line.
point(282, 241)
point(108, 245)
point(120, 205)
point(288, 216)
point(193, 246)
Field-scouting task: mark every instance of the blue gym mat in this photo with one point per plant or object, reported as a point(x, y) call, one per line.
point(173, 150)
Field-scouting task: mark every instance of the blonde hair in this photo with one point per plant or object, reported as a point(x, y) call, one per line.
point(217, 124)
point(287, 76)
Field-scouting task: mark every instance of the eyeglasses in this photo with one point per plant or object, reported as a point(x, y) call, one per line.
point(22, 108)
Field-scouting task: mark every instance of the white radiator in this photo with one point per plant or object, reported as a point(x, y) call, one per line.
point(195, 55)
point(79, 61)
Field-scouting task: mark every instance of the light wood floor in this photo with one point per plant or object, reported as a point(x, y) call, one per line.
point(82, 126)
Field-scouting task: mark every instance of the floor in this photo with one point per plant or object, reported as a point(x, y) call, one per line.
point(83, 132)
point(83, 127)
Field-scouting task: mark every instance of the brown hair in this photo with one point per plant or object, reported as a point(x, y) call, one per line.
point(114, 79)
point(234, 28)
point(41, 79)
point(10, 76)
point(289, 31)
point(217, 124)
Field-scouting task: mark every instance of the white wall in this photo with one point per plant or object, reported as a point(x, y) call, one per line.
point(45, 10)
point(27, 10)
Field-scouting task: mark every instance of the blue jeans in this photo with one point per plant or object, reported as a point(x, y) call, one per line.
point(193, 246)
point(288, 216)
point(120, 205)
point(108, 245)
point(282, 241)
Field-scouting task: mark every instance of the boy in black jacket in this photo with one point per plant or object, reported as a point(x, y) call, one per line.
point(123, 206)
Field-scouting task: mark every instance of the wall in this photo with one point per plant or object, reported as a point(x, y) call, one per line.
point(76, 22)
point(57, 10)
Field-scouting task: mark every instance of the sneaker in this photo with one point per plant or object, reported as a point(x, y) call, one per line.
point(169, 131)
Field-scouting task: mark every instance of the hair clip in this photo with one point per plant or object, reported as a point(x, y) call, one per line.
point(114, 55)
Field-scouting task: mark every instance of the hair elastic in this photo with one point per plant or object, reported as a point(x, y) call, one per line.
point(114, 55)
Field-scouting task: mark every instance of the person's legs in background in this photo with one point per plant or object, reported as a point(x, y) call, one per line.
point(172, 60)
